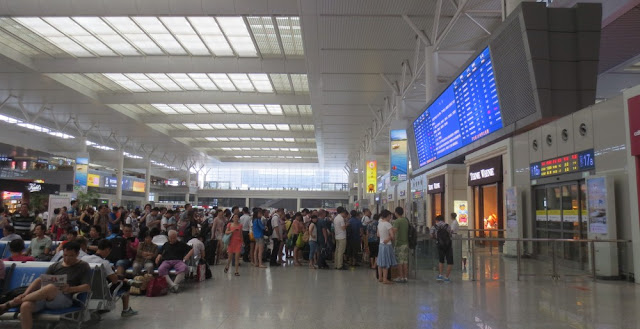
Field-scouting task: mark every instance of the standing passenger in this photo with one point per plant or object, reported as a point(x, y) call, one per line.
point(386, 256)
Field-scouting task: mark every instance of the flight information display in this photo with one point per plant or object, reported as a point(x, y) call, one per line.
point(576, 162)
point(465, 112)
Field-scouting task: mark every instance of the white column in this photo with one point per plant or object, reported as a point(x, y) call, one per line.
point(361, 170)
point(430, 72)
point(246, 202)
point(147, 181)
point(119, 174)
point(298, 204)
point(186, 197)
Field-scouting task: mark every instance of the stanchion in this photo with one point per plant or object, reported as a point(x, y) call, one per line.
point(518, 259)
point(593, 259)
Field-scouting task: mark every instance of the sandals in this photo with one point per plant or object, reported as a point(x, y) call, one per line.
point(226, 270)
point(237, 274)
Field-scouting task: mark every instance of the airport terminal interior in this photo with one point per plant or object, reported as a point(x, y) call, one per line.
point(320, 164)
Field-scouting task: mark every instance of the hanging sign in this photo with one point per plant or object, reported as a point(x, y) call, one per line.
point(372, 176)
point(398, 154)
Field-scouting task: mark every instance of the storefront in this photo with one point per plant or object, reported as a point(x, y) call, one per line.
point(16, 192)
point(436, 197)
point(486, 182)
point(419, 203)
point(391, 198)
point(403, 196)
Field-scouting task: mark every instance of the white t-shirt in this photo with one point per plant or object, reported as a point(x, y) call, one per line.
point(454, 226)
point(275, 223)
point(306, 219)
point(383, 231)
point(338, 223)
point(245, 220)
point(106, 266)
point(313, 233)
point(366, 220)
point(198, 247)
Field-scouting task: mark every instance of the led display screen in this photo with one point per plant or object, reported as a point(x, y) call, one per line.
point(576, 162)
point(466, 111)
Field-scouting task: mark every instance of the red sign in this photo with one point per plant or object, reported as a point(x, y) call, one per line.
point(634, 124)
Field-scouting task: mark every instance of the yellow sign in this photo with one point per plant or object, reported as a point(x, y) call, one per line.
point(372, 176)
point(138, 186)
point(93, 180)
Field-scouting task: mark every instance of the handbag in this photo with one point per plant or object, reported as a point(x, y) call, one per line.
point(157, 287)
point(300, 241)
point(305, 237)
point(201, 272)
point(226, 238)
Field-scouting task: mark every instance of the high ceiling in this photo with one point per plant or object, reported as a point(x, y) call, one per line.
point(195, 81)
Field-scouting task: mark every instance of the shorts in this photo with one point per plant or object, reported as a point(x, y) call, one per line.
point(59, 302)
point(402, 254)
point(313, 248)
point(259, 241)
point(373, 249)
point(124, 263)
point(445, 252)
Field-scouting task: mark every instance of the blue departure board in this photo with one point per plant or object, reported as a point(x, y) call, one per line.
point(465, 112)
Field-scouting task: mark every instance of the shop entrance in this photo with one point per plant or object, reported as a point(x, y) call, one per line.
point(488, 211)
point(560, 214)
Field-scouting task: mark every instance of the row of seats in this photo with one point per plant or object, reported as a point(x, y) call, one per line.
point(86, 305)
point(5, 252)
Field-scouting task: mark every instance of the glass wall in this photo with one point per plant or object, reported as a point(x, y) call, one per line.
point(299, 176)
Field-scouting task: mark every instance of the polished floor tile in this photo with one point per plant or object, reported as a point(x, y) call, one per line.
point(296, 297)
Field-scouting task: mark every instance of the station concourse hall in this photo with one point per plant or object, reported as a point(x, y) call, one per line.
point(320, 164)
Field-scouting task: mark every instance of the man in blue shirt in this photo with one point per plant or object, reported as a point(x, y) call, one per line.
point(324, 248)
point(354, 237)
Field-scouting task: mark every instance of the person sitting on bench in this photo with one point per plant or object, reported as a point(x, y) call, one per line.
point(50, 296)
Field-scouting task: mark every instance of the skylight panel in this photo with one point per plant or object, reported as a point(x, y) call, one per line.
point(70, 46)
point(212, 139)
point(226, 149)
point(211, 35)
point(218, 126)
point(238, 35)
point(261, 83)
point(125, 82)
point(256, 139)
point(231, 126)
point(134, 34)
point(95, 45)
point(197, 108)
point(241, 81)
point(222, 81)
point(184, 81)
point(213, 108)
point(192, 126)
point(300, 83)
point(154, 27)
point(309, 127)
point(294, 150)
point(305, 110)
point(205, 126)
point(203, 81)
point(283, 127)
point(281, 83)
point(244, 108)
point(257, 126)
point(164, 81)
point(181, 108)
point(291, 35)
point(245, 139)
point(223, 139)
point(274, 109)
point(244, 126)
point(270, 127)
point(183, 31)
point(259, 109)
point(66, 25)
point(289, 140)
point(144, 81)
point(290, 110)
point(264, 33)
point(228, 108)
point(296, 127)
point(278, 139)
point(234, 139)
point(119, 44)
point(164, 108)
point(39, 26)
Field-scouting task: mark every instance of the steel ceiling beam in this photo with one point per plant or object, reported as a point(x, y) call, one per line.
point(225, 118)
point(240, 133)
point(204, 97)
point(167, 64)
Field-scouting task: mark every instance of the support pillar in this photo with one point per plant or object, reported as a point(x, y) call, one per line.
point(246, 202)
point(361, 171)
point(119, 174)
point(298, 204)
point(186, 197)
point(510, 5)
point(147, 181)
point(431, 73)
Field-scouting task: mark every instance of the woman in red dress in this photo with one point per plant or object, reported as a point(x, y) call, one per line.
point(235, 244)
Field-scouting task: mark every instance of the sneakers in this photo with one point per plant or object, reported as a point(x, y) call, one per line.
point(398, 280)
point(446, 280)
point(174, 289)
point(440, 277)
point(128, 312)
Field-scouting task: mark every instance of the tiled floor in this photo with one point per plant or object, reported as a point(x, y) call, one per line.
point(296, 297)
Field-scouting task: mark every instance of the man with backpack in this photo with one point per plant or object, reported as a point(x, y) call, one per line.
point(441, 232)
point(401, 230)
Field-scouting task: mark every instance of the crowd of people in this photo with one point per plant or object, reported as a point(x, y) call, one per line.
point(128, 240)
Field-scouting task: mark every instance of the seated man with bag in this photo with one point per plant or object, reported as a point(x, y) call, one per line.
point(104, 249)
point(175, 254)
point(50, 296)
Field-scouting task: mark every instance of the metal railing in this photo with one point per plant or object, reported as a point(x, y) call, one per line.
point(426, 245)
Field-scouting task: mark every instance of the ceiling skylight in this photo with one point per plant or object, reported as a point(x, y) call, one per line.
point(260, 109)
point(34, 127)
point(98, 146)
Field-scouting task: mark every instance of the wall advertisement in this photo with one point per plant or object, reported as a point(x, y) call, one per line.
point(597, 205)
point(461, 209)
point(511, 200)
point(372, 176)
point(398, 154)
point(82, 173)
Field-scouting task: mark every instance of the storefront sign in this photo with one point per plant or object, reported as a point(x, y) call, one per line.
point(460, 208)
point(372, 176)
point(402, 191)
point(435, 185)
point(597, 205)
point(419, 183)
point(486, 172)
point(33, 187)
point(634, 124)
point(398, 154)
point(575, 162)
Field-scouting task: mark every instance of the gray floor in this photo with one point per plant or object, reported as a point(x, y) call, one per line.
point(296, 297)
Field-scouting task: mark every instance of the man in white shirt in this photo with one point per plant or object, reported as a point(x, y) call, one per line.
point(340, 228)
point(454, 223)
point(276, 237)
point(245, 220)
point(366, 219)
point(104, 249)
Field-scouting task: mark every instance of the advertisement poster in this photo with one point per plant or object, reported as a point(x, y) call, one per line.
point(461, 209)
point(138, 186)
point(597, 205)
point(511, 200)
point(93, 180)
point(398, 155)
point(372, 176)
point(82, 172)
point(57, 201)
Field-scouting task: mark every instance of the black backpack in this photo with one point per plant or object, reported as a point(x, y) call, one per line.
point(413, 237)
point(118, 249)
point(268, 229)
point(442, 235)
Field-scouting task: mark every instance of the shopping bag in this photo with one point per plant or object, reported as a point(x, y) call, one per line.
point(201, 272)
point(157, 287)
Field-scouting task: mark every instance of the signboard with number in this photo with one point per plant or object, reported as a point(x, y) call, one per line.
point(566, 164)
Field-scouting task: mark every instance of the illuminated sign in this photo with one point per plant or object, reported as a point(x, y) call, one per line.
point(372, 176)
point(566, 164)
point(398, 155)
point(138, 186)
point(435, 185)
point(486, 172)
point(33, 187)
point(93, 180)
